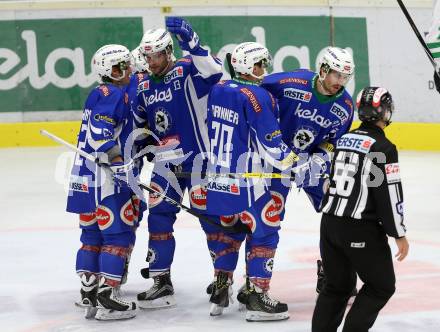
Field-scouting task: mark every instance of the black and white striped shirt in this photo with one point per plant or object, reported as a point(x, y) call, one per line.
point(365, 180)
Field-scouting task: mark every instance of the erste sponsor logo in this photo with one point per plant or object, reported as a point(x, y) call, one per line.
point(297, 94)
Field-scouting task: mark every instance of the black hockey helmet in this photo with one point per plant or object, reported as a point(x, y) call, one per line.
point(374, 104)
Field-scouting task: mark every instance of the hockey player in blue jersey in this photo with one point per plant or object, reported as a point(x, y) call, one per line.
point(172, 104)
point(244, 135)
point(107, 207)
point(315, 111)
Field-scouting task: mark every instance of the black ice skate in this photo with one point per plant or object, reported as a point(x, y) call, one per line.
point(210, 287)
point(260, 307)
point(110, 306)
point(160, 295)
point(89, 290)
point(243, 295)
point(221, 294)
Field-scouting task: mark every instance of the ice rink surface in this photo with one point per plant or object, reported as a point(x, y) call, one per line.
point(39, 240)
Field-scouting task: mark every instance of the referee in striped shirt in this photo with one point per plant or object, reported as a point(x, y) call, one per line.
point(364, 204)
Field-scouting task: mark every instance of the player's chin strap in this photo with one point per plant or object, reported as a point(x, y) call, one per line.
point(237, 228)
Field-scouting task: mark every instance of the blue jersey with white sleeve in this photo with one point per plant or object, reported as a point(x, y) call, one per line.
point(174, 106)
point(105, 127)
point(308, 118)
point(244, 133)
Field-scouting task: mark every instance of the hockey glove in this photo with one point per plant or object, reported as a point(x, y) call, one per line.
point(437, 80)
point(310, 172)
point(120, 173)
point(188, 39)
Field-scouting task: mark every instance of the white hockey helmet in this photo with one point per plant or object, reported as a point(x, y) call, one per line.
point(156, 40)
point(246, 55)
point(108, 56)
point(336, 59)
point(139, 62)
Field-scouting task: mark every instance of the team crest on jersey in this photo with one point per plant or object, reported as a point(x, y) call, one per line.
point(79, 183)
point(248, 219)
point(152, 256)
point(162, 120)
point(297, 94)
point(270, 215)
point(197, 196)
point(340, 112)
point(175, 73)
point(104, 216)
point(87, 219)
point(143, 86)
point(229, 221)
point(303, 138)
point(278, 200)
point(127, 213)
point(392, 172)
point(268, 265)
point(155, 199)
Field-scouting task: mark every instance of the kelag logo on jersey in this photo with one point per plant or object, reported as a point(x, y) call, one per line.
point(312, 116)
point(340, 112)
point(297, 94)
point(176, 72)
point(158, 96)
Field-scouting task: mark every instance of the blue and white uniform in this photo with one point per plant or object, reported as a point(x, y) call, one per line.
point(173, 107)
point(108, 213)
point(244, 134)
point(310, 123)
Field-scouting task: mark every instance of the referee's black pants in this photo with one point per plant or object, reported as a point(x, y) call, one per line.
point(352, 246)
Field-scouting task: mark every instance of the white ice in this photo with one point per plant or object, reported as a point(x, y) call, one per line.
point(39, 240)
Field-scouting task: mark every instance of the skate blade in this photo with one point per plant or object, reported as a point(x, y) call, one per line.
point(216, 310)
point(90, 312)
point(82, 305)
point(108, 314)
point(259, 316)
point(160, 303)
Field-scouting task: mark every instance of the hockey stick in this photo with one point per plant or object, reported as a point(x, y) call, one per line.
point(229, 63)
point(237, 228)
point(237, 175)
point(418, 35)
